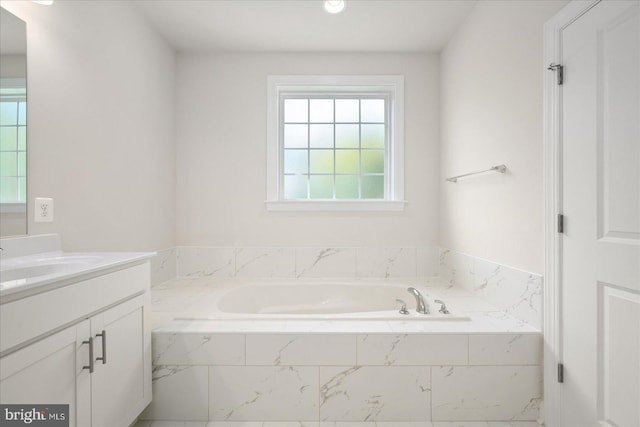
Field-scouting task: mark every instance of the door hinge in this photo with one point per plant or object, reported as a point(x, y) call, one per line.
point(560, 223)
point(560, 71)
point(560, 373)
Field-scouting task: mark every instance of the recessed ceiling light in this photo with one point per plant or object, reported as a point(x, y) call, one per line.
point(44, 2)
point(334, 6)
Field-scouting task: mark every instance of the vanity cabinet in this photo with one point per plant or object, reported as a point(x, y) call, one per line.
point(100, 364)
point(47, 372)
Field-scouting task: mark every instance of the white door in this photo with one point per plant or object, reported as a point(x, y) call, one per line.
point(600, 256)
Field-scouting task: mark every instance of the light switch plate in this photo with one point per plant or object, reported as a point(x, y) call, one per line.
point(43, 209)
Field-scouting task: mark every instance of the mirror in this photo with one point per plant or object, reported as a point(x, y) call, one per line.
point(13, 125)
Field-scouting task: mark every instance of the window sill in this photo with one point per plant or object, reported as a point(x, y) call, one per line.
point(336, 205)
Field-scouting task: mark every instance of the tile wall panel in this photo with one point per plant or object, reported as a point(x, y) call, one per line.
point(179, 393)
point(413, 349)
point(283, 393)
point(366, 393)
point(486, 393)
point(301, 349)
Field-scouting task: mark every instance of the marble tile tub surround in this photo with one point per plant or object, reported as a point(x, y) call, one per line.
point(518, 293)
point(164, 266)
point(373, 378)
point(306, 262)
point(323, 372)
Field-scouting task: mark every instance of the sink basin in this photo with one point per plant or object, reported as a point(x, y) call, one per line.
point(31, 271)
point(30, 265)
point(45, 266)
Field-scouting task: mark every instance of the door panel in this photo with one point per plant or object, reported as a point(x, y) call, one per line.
point(619, 152)
point(620, 358)
point(600, 260)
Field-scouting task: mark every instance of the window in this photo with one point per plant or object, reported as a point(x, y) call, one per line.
point(13, 143)
point(335, 143)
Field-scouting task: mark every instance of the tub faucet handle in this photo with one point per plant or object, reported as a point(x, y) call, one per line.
point(403, 309)
point(443, 306)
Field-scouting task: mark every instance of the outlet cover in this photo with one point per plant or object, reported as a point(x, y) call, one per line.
point(43, 209)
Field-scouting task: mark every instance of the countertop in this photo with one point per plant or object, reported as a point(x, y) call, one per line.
point(49, 270)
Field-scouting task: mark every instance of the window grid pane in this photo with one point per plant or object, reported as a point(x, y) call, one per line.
point(345, 155)
point(13, 161)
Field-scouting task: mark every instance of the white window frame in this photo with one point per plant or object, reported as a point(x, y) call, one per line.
point(391, 86)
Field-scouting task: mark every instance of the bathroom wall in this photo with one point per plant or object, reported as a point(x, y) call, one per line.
point(120, 181)
point(221, 154)
point(101, 125)
point(492, 114)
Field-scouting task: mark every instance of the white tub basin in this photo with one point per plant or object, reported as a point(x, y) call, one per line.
point(315, 301)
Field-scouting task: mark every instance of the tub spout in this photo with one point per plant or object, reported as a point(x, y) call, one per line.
point(421, 306)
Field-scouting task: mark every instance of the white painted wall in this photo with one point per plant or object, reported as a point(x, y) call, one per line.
point(101, 137)
point(101, 121)
point(13, 224)
point(492, 114)
point(221, 153)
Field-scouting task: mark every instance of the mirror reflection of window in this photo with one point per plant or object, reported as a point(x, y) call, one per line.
point(13, 141)
point(13, 125)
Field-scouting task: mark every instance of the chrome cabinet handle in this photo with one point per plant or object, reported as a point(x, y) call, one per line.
point(103, 334)
point(90, 365)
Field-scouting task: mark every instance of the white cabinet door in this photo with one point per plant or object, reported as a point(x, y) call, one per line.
point(601, 203)
point(50, 371)
point(121, 380)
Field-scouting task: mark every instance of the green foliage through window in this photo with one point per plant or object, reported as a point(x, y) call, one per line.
point(334, 148)
point(13, 145)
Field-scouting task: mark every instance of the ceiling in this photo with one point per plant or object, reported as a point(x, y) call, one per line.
point(304, 26)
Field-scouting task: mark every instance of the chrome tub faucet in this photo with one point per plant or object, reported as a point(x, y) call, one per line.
point(421, 306)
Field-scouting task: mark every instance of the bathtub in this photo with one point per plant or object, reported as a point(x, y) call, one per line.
point(317, 300)
point(329, 350)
